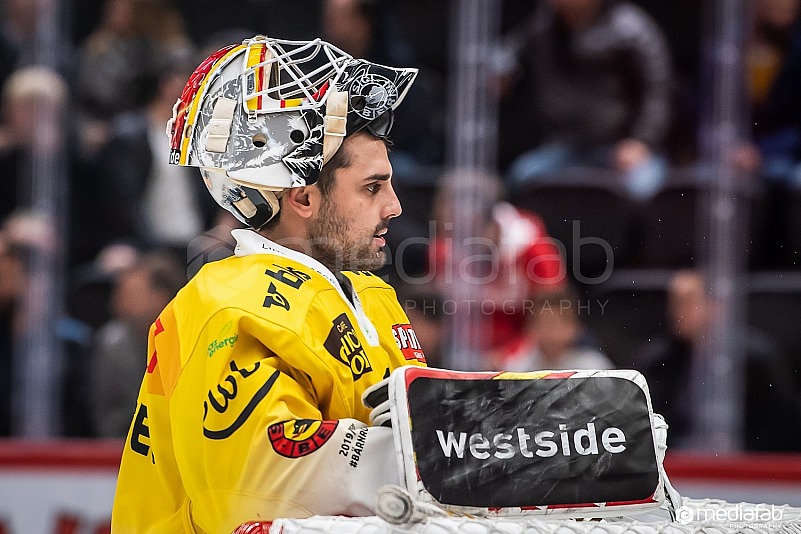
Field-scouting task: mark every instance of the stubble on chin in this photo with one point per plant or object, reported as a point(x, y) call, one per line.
point(329, 244)
point(339, 256)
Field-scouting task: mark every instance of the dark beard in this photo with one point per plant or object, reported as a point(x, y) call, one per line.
point(329, 244)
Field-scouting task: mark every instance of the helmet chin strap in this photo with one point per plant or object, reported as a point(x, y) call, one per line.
point(257, 214)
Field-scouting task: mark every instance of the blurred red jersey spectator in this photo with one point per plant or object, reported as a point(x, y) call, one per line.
point(510, 259)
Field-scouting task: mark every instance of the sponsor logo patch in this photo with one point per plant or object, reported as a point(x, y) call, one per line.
point(408, 343)
point(224, 339)
point(295, 439)
point(343, 343)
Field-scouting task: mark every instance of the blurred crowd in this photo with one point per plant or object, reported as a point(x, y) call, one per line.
point(597, 99)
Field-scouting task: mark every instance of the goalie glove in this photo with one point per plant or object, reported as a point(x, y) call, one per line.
point(376, 397)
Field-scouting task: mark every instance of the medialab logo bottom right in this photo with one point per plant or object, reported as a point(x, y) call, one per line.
point(741, 515)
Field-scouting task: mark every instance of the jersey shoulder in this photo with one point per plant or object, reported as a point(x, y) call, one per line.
point(265, 285)
point(363, 280)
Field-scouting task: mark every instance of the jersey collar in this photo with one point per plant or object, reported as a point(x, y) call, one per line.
point(249, 242)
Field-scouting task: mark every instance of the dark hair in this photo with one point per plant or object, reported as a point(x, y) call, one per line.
point(340, 160)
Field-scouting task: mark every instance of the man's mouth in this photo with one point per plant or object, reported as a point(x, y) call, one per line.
point(379, 237)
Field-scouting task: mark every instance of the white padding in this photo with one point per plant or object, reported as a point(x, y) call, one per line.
point(336, 112)
point(219, 128)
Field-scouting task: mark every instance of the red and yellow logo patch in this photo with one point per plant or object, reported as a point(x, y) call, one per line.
point(294, 439)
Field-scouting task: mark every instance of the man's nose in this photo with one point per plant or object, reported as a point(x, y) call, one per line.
point(393, 206)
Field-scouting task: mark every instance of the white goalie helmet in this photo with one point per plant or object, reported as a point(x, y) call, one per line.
point(266, 115)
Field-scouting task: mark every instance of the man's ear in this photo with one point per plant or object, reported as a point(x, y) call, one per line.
point(300, 200)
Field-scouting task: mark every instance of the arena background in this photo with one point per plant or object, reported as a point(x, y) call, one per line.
point(76, 212)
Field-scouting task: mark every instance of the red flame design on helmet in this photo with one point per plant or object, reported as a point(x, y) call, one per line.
point(190, 92)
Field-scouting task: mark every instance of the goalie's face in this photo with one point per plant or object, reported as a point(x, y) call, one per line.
point(349, 229)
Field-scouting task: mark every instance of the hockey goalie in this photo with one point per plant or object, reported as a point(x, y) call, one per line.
point(281, 383)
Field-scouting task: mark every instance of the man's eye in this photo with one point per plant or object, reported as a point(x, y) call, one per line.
point(373, 188)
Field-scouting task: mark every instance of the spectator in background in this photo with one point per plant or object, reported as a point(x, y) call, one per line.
point(19, 24)
point(28, 318)
point(28, 93)
point(88, 298)
point(136, 183)
point(772, 152)
point(119, 61)
point(365, 28)
point(13, 283)
point(592, 89)
point(350, 25)
point(666, 362)
point(19, 30)
point(34, 99)
point(773, 84)
point(555, 338)
point(510, 258)
point(120, 346)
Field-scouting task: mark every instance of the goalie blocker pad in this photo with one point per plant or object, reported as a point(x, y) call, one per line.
point(577, 443)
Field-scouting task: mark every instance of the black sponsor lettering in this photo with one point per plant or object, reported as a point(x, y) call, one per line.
point(140, 429)
point(363, 273)
point(358, 447)
point(244, 371)
point(346, 442)
point(289, 276)
point(227, 395)
point(243, 416)
point(274, 298)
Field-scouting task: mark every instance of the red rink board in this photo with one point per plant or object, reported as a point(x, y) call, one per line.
point(752, 467)
point(105, 454)
point(61, 454)
point(44, 485)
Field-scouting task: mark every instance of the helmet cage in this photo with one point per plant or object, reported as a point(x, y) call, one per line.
point(266, 115)
point(266, 89)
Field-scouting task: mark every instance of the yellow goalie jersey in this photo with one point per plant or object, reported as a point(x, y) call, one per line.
point(250, 407)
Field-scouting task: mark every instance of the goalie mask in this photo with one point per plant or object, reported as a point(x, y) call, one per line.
point(266, 115)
